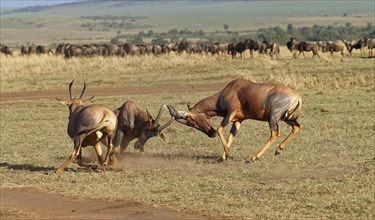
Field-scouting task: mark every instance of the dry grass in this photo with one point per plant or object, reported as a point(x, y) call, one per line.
point(325, 172)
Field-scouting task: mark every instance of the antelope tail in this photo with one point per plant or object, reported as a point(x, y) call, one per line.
point(294, 110)
point(97, 128)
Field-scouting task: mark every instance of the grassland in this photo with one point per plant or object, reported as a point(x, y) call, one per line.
point(325, 172)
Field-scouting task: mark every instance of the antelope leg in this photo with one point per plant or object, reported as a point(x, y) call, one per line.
point(109, 149)
point(72, 157)
point(219, 130)
point(296, 127)
point(233, 131)
point(99, 153)
point(274, 136)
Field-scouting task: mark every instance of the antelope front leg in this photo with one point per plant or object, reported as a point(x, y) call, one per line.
point(224, 142)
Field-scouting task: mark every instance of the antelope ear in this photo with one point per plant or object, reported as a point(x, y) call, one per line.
point(92, 98)
point(63, 102)
point(161, 135)
point(88, 100)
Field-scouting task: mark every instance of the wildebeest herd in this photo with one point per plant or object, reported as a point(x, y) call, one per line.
point(235, 49)
point(95, 124)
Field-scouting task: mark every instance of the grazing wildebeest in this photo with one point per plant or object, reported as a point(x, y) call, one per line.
point(370, 42)
point(241, 100)
point(88, 125)
point(6, 50)
point(43, 50)
point(332, 47)
point(238, 47)
point(60, 49)
point(24, 51)
point(134, 122)
point(73, 51)
point(156, 50)
point(131, 49)
point(355, 44)
point(31, 50)
point(293, 46)
point(272, 46)
point(253, 45)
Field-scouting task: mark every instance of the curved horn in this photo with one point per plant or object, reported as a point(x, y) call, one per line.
point(166, 124)
point(70, 89)
point(83, 90)
point(159, 115)
point(179, 116)
point(174, 113)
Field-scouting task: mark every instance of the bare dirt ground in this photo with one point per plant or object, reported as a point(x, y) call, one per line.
point(33, 204)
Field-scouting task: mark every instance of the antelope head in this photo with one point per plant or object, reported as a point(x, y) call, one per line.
point(152, 128)
point(74, 102)
point(199, 121)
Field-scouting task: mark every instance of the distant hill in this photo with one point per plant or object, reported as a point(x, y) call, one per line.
point(102, 20)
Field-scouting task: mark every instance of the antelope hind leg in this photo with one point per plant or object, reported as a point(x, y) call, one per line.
point(72, 157)
point(295, 128)
point(109, 150)
point(274, 136)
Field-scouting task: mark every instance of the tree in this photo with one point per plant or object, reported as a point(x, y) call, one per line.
point(138, 40)
point(158, 41)
point(289, 28)
point(114, 40)
point(226, 27)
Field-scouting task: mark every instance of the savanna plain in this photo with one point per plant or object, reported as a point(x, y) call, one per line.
point(325, 172)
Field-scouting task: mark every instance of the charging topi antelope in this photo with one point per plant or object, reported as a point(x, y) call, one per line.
point(134, 122)
point(241, 100)
point(88, 124)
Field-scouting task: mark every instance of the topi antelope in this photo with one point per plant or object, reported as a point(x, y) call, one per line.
point(88, 124)
point(241, 100)
point(133, 122)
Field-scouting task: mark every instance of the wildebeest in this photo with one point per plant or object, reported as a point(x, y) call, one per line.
point(239, 47)
point(370, 42)
point(6, 50)
point(272, 46)
point(24, 51)
point(73, 51)
point(355, 44)
point(332, 47)
point(156, 50)
point(293, 46)
point(43, 50)
point(253, 45)
point(88, 125)
point(240, 100)
point(131, 49)
point(134, 122)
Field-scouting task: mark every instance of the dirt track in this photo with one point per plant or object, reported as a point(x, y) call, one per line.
point(31, 204)
point(51, 94)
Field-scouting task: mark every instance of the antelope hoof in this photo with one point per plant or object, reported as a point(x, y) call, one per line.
point(223, 158)
point(254, 158)
point(59, 171)
point(112, 160)
point(277, 152)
